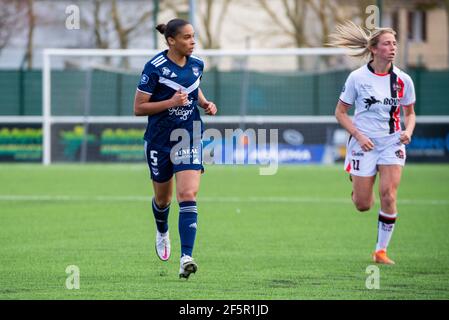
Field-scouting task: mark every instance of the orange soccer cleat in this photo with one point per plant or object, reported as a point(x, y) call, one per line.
point(380, 256)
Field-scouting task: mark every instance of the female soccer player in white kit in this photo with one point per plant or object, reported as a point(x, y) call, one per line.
point(377, 142)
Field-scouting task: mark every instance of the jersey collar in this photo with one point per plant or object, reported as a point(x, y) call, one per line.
point(172, 62)
point(380, 74)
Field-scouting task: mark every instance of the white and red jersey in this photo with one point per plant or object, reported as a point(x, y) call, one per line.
point(377, 99)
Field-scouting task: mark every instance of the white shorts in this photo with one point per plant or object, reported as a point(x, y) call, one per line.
point(387, 151)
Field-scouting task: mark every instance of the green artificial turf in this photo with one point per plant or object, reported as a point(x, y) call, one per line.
point(292, 235)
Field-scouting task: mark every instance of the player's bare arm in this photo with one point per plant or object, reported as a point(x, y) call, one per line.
point(341, 113)
point(209, 107)
point(410, 122)
point(143, 106)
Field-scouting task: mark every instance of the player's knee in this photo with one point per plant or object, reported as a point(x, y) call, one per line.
point(186, 195)
point(388, 197)
point(363, 205)
point(162, 201)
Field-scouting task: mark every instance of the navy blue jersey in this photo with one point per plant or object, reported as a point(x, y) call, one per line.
point(162, 78)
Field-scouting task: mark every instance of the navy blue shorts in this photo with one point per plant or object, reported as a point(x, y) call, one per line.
point(163, 164)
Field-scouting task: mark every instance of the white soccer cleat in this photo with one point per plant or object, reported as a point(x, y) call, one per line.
point(163, 246)
point(187, 266)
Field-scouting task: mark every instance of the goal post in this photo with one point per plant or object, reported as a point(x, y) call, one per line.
point(240, 61)
point(47, 118)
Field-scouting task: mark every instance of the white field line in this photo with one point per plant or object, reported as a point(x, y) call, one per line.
point(52, 198)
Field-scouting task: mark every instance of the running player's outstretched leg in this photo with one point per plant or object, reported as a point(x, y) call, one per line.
point(363, 195)
point(187, 185)
point(390, 176)
point(161, 207)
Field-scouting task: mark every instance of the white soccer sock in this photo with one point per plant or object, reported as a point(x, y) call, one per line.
point(385, 229)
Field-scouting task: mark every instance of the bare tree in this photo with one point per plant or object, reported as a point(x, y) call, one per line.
point(115, 24)
point(212, 24)
point(125, 28)
point(7, 22)
point(328, 15)
point(309, 22)
point(296, 12)
point(174, 5)
point(31, 18)
point(294, 25)
point(101, 29)
point(10, 19)
point(446, 5)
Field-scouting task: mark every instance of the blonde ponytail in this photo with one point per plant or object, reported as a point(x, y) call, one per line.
point(354, 37)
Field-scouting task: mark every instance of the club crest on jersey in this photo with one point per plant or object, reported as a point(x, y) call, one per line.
point(196, 71)
point(370, 101)
point(400, 154)
point(165, 71)
point(144, 79)
point(397, 86)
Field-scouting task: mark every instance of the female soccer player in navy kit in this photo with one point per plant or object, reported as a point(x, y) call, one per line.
point(169, 93)
point(377, 142)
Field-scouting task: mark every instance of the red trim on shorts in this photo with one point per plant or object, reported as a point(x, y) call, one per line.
point(348, 168)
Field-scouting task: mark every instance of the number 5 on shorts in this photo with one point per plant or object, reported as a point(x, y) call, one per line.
point(153, 157)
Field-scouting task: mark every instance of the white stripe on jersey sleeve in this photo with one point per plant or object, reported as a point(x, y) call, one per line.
point(157, 59)
point(160, 63)
point(144, 91)
point(197, 58)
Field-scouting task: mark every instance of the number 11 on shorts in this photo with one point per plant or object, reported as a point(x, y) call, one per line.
point(356, 164)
